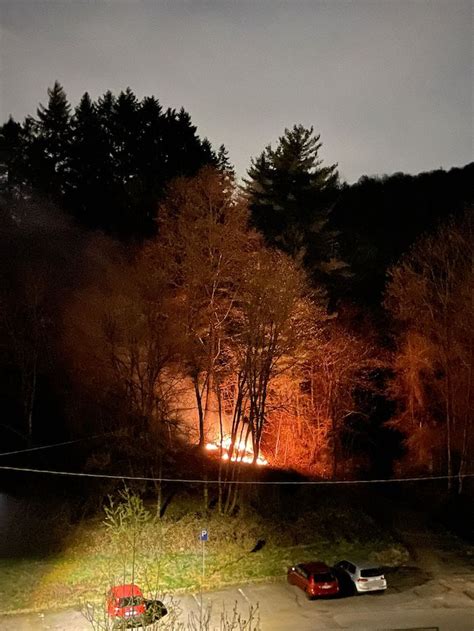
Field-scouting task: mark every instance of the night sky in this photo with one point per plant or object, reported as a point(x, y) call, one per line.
point(387, 84)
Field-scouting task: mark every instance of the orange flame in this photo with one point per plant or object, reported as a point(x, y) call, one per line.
point(241, 452)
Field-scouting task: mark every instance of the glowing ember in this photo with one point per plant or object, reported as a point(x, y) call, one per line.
point(241, 452)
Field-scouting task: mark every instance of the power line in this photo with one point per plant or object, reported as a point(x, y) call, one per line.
point(106, 476)
point(67, 442)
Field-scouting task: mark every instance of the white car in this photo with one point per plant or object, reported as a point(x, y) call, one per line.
point(366, 577)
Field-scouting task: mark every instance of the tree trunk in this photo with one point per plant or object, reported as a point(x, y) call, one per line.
point(209, 377)
point(200, 410)
point(278, 436)
point(448, 410)
point(467, 418)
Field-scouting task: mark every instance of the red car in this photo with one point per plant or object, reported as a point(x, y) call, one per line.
point(316, 579)
point(126, 603)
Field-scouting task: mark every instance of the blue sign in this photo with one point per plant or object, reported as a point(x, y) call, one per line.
point(204, 536)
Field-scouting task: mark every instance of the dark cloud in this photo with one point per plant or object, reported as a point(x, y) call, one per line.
point(387, 84)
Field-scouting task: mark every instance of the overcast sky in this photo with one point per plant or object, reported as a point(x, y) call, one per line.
point(387, 84)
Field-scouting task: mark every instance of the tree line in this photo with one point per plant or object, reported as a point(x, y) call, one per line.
point(107, 162)
point(328, 325)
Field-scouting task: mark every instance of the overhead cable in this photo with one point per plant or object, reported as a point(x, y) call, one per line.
point(107, 476)
point(67, 442)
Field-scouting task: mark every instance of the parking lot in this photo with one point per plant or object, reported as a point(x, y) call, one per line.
point(412, 601)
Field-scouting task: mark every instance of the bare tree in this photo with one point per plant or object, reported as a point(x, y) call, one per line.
point(311, 405)
point(431, 294)
point(40, 252)
point(121, 336)
point(204, 241)
point(276, 320)
point(27, 323)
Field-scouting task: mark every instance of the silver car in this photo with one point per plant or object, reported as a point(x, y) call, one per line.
point(366, 577)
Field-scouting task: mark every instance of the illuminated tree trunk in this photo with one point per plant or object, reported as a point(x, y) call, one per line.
point(197, 392)
point(221, 436)
point(468, 406)
point(448, 429)
point(212, 357)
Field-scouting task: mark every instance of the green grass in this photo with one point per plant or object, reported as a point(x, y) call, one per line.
point(169, 555)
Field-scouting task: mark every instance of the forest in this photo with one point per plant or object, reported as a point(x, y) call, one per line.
point(152, 302)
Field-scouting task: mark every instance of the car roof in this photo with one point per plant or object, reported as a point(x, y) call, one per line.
point(315, 566)
point(123, 591)
point(363, 565)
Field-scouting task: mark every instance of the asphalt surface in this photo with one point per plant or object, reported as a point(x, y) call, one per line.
point(413, 600)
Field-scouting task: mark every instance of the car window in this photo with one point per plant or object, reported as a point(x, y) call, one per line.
point(130, 601)
point(324, 577)
point(351, 568)
point(371, 572)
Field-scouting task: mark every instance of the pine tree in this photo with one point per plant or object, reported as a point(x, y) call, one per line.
point(291, 196)
point(49, 148)
point(106, 112)
point(125, 130)
point(149, 140)
point(150, 160)
point(185, 152)
point(53, 119)
point(223, 162)
point(10, 156)
point(108, 164)
point(89, 163)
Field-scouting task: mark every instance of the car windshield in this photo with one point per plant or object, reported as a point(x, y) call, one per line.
point(323, 577)
point(130, 601)
point(371, 572)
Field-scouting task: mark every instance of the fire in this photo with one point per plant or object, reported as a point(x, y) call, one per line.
point(241, 452)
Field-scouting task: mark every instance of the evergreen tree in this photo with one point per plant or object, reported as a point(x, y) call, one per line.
point(89, 164)
point(223, 162)
point(185, 152)
point(105, 110)
point(291, 197)
point(125, 123)
point(150, 161)
point(54, 119)
point(10, 156)
point(124, 207)
point(48, 149)
point(149, 141)
point(108, 164)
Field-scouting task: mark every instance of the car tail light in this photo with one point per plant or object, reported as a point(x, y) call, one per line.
point(362, 580)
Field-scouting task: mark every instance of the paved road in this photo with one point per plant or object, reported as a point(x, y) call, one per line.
point(410, 602)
